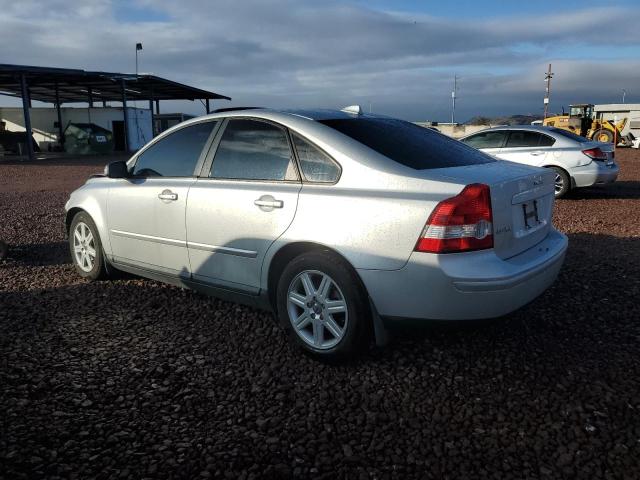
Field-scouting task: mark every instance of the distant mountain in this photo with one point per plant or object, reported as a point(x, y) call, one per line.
point(511, 120)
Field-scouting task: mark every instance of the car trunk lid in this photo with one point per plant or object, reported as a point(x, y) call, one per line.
point(521, 201)
point(607, 148)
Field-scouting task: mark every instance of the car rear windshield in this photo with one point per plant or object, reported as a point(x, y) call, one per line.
point(408, 144)
point(568, 134)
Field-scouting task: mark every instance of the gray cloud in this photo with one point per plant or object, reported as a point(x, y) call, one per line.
point(300, 54)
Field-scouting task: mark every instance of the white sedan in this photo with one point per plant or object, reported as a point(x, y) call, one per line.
point(578, 162)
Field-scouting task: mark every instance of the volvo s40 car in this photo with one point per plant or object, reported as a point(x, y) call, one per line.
point(336, 221)
point(576, 161)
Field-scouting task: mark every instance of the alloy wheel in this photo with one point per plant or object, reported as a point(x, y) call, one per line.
point(84, 248)
point(317, 309)
point(559, 183)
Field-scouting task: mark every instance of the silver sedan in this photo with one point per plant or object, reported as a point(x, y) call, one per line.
point(577, 162)
point(337, 221)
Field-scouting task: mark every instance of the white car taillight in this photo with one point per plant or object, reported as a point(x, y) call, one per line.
point(460, 224)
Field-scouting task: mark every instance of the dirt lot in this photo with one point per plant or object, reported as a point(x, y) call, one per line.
point(134, 379)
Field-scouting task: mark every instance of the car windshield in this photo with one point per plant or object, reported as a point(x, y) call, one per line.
point(568, 134)
point(408, 144)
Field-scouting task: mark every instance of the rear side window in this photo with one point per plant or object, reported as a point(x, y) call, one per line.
point(176, 155)
point(568, 134)
point(408, 144)
point(253, 150)
point(315, 164)
point(490, 139)
point(523, 138)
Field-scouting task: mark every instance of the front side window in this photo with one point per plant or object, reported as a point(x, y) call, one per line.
point(176, 155)
point(315, 164)
point(491, 139)
point(253, 150)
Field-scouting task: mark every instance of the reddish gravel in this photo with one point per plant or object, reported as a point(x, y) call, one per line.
point(134, 379)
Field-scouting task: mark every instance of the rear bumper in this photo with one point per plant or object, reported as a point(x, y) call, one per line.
point(594, 173)
point(472, 285)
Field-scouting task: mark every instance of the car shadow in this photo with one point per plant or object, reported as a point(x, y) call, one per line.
point(620, 189)
point(592, 303)
point(34, 254)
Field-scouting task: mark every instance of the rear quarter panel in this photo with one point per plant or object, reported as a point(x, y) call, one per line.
point(371, 228)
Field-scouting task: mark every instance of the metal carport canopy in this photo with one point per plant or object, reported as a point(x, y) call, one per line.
point(74, 86)
point(66, 85)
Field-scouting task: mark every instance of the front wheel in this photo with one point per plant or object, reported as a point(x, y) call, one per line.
point(323, 306)
point(86, 249)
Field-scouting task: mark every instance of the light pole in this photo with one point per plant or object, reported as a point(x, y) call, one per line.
point(453, 99)
point(624, 93)
point(138, 48)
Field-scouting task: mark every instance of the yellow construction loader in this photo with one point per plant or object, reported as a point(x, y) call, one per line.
point(582, 121)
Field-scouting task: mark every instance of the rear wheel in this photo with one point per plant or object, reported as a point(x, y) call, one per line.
point(562, 182)
point(85, 247)
point(604, 136)
point(322, 306)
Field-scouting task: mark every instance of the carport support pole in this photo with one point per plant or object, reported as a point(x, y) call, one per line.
point(153, 122)
point(90, 92)
point(60, 133)
point(207, 104)
point(26, 101)
point(157, 107)
point(126, 120)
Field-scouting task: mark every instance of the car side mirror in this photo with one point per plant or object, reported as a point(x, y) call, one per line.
point(117, 170)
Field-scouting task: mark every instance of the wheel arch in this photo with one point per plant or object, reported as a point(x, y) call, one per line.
point(288, 252)
point(572, 181)
point(68, 218)
point(94, 208)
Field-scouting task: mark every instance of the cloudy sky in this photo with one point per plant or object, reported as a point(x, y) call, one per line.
point(397, 56)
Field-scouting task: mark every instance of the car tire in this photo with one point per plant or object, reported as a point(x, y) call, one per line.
point(323, 307)
point(602, 135)
point(562, 182)
point(86, 249)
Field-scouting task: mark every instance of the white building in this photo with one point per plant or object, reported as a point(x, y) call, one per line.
point(44, 123)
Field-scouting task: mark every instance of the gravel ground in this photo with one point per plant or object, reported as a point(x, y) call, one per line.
point(134, 379)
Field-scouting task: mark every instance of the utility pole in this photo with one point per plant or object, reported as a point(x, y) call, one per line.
point(453, 100)
point(547, 95)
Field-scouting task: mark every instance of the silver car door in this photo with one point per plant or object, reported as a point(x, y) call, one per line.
point(146, 212)
point(527, 147)
point(244, 200)
point(489, 141)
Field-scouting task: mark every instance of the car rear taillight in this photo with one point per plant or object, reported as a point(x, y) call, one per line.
point(595, 153)
point(460, 224)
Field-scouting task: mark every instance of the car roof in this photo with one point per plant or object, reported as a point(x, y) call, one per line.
point(535, 128)
point(547, 130)
point(317, 114)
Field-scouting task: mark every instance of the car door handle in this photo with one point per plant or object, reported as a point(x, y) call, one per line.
point(268, 201)
point(168, 195)
point(537, 153)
